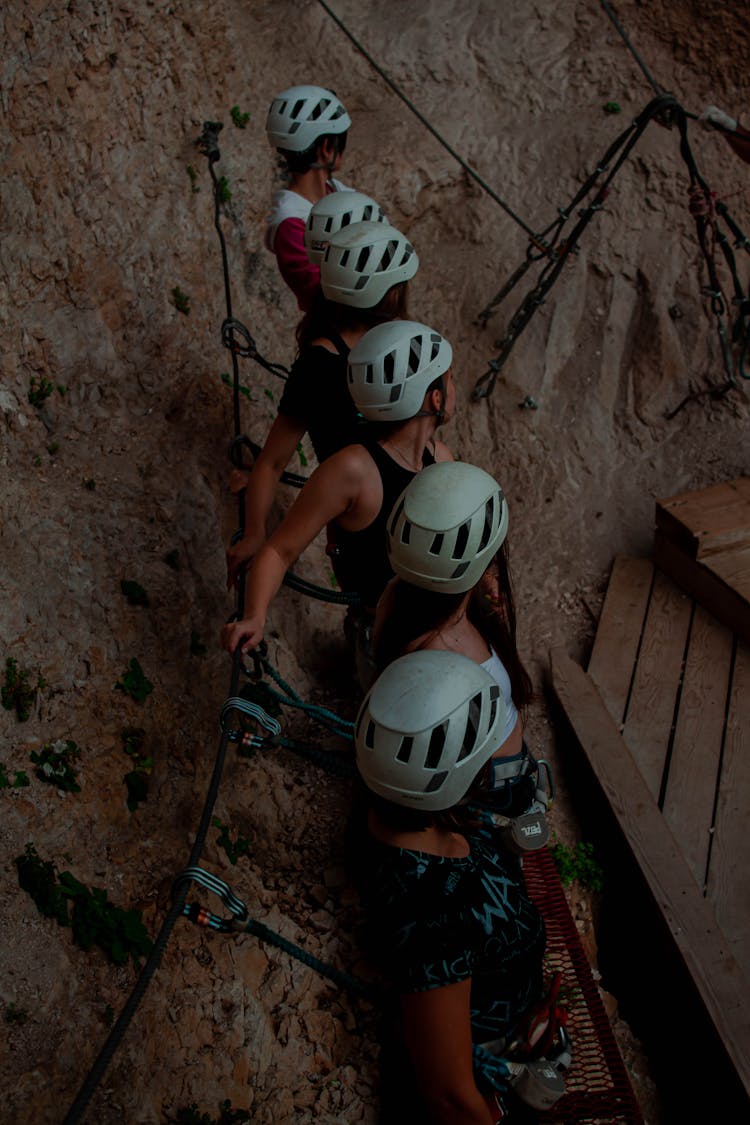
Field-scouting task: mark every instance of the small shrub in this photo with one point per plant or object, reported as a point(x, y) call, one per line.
point(39, 390)
point(577, 865)
point(93, 919)
point(17, 692)
point(14, 1014)
point(137, 780)
point(134, 592)
point(234, 848)
point(54, 764)
point(190, 1115)
point(238, 118)
point(181, 301)
point(20, 779)
point(134, 682)
point(225, 194)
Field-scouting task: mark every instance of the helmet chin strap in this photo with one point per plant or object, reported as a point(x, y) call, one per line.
point(439, 414)
point(330, 167)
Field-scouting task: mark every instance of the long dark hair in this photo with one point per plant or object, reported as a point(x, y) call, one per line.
point(325, 317)
point(415, 612)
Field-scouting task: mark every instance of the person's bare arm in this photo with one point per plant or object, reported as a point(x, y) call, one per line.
point(283, 438)
point(437, 1029)
point(334, 488)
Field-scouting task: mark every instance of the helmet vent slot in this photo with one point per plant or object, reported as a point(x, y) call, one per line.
point(489, 519)
point(389, 366)
point(361, 282)
point(395, 394)
point(297, 109)
point(408, 251)
point(406, 533)
point(367, 214)
point(362, 257)
point(337, 112)
point(472, 724)
point(493, 714)
point(369, 373)
point(460, 570)
point(435, 749)
point(436, 782)
point(462, 538)
point(405, 749)
point(345, 220)
point(344, 258)
point(396, 516)
point(370, 735)
point(415, 355)
point(387, 257)
point(437, 544)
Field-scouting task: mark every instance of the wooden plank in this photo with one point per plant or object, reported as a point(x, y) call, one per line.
point(712, 592)
point(721, 984)
point(732, 567)
point(698, 737)
point(619, 632)
point(729, 872)
point(650, 713)
point(711, 519)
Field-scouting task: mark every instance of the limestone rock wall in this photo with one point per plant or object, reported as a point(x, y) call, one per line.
point(102, 219)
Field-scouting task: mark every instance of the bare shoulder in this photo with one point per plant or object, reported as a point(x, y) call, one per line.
point(324, 342)
point(442, 452)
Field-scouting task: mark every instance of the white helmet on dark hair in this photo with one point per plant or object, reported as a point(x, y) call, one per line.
point(363, 261)
point(392, 366)
point(446, 527)
point(302, 114)
point(332, 213)
point(426, 728)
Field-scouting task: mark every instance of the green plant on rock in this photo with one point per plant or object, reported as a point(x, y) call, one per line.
point(193, 179)
point(190, 1115)
point(134, 682)
point(14, 1014)
point(577, 865)
point(134, 592)
point(239, 118)
point(181, 301)
point(227, 381)
point(234, 848)
point(54, 764)
point(93, 919)
point(225, 195)
point(17, 692)
point(39, 390)
point(137, 780)
point(20, 778)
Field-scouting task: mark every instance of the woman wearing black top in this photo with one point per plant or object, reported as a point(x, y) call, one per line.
point(364, 278)
point(399, 376)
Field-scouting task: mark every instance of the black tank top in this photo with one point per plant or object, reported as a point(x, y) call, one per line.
point(360, 558)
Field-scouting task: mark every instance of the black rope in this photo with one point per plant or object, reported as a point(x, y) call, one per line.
point(209, 147)
point(654, 85)
point(666, 108)
point(420, 117)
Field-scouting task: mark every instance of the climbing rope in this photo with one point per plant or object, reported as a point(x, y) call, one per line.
point(666, 109)
point(289, 697)
point(430, 128)
point(654, 85)
point(240, 922)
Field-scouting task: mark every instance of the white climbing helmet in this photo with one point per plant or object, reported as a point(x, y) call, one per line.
point(446, 527)
point(426, 728)
point(332, 213)
point(392, 366)
point(363, 261)
point(302, 114)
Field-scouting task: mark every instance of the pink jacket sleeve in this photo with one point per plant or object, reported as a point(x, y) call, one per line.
point(302, 277)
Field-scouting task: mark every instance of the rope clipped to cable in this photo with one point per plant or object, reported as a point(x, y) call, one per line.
point(667, 110)
point(240, 922)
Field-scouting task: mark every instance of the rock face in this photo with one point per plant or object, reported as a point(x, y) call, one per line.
point(120, 472)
